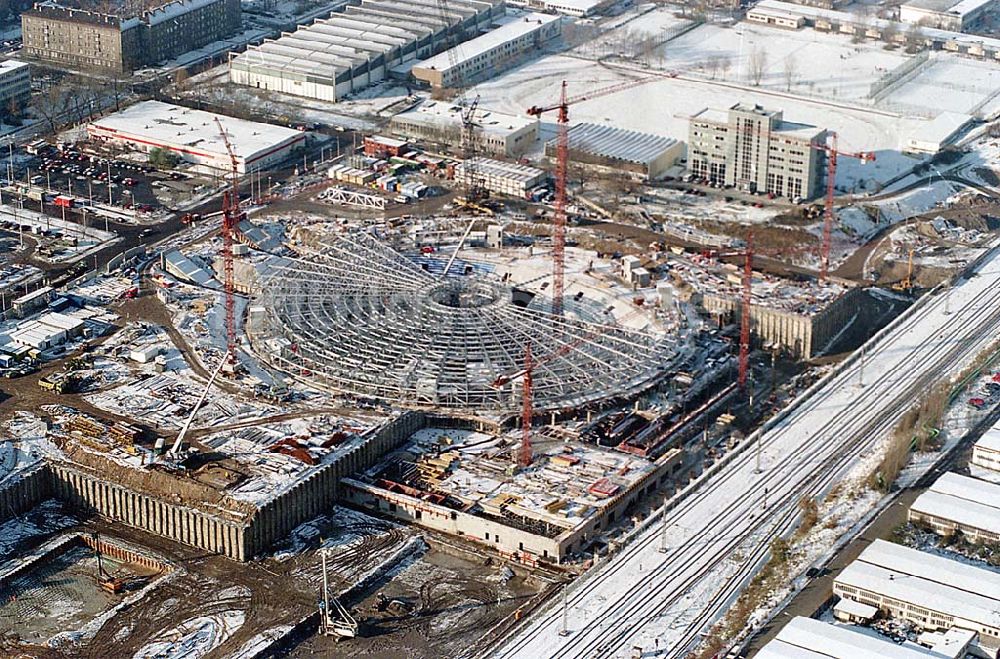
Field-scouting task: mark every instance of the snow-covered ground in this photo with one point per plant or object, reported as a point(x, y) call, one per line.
point(672, 101)
point(718, 535)
point(193, 638)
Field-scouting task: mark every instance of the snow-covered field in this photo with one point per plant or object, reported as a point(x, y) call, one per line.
point(720, 533)
point(664, 108)
point(816, 78)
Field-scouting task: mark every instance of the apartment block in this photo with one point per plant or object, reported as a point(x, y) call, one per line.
point(91, 40)
point(756, 150)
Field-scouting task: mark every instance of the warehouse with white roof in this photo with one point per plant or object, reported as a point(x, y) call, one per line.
point(195, 137)
point(505, 178)
point(986, 452)
point(805, 638)
point(932, 592)
point(618, 149)
point(959, 503)
point(440, 124)
point(360, 46)
point(957, 15)
point(490, 53)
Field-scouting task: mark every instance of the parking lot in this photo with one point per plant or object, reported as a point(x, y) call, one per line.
point(92, 177)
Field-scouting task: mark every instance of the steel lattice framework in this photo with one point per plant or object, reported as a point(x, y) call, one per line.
point(361, 318)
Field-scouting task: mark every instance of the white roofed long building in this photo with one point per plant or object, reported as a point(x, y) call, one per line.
point(194, 135)
point(930, 591)
point(805, 638)
point(359, 46)
point(490, 53)
point(440, 124)
point(986, 452)
point(620, 149)
point(959, 503)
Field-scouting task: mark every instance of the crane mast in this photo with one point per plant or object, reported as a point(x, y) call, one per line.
point(230, 221)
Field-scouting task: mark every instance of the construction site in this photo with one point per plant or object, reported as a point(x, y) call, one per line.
point(394, 400)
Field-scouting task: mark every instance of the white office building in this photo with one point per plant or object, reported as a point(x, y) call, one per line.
point(805, 638)
point(959, 503)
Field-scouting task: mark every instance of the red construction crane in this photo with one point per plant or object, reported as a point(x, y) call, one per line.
point(830, 148)
point(562, 158)
point(527, 411)
point(524, 456)
point(744, 363)
point(231, 217)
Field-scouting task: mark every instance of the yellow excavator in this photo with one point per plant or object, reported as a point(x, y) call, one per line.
point(906, 284)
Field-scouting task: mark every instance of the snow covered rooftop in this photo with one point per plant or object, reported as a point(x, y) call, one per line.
point(813, 13)
point(927, 580)
point(487, 167)
point(941, 129)
point(174, 126)
point(967, 501)
point(618, 143)
point(959, 8)
point(448, 115)
point(806, 638)
point(990, 439)
point(510, 28)
point(9, 65)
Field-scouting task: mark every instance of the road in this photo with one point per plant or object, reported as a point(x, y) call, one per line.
point(718, 535)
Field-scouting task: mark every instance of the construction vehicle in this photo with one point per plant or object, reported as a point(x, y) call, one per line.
point(176, 452)
point(906, 284)
point(107, 581)
point(335, 619)
point(59, 383)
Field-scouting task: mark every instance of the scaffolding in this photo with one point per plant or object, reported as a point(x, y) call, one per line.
point(363, 319)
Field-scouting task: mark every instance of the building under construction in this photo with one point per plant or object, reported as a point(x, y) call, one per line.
point(364, 319)
point(799, 318)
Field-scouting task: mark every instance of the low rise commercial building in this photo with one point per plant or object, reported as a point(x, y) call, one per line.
point(756, 150)
point(986, 452)
point(439, 124)
point(194, 136)
point(490, 53)
point(956, 503)
point(930, 591)
point(82, 38)
point(857, 26)
point(938, 133)
point(806, 638)
point(619, 150)
point(957, 15)
point(359, 46)
point(575, 8)
point(500, 177)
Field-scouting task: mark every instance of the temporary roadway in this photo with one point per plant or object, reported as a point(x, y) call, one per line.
point(718, 535)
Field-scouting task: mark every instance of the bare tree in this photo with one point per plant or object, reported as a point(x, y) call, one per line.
point(53, 103)
point(725, 63)
point(791, 72)
point(915, 39)
point(712, 64)
point(757, 65)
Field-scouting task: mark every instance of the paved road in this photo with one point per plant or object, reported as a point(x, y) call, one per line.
point(720, 533)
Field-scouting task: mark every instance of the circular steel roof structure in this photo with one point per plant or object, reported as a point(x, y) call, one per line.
point(363, 319)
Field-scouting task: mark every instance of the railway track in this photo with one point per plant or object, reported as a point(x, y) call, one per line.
point(827, 453)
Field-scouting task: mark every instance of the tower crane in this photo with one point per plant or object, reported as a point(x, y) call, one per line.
point(562, 161)
point(832, 152)
point(475, 190)
point(526, 373)
point(231, 217)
